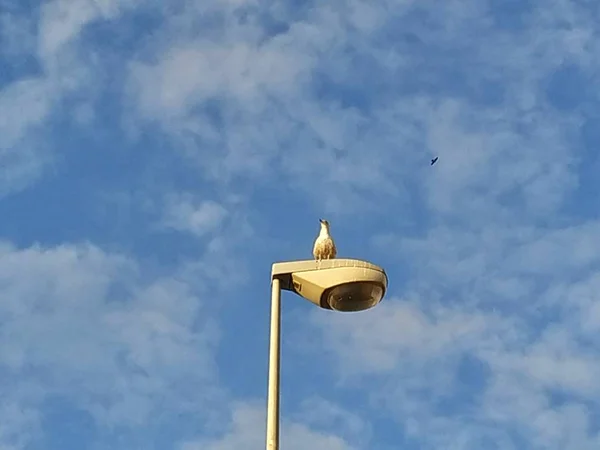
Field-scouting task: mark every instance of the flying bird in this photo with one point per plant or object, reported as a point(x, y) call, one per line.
point(434, 160)
point(324, 247)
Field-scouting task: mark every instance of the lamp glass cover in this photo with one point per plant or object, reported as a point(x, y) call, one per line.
point(357, 296)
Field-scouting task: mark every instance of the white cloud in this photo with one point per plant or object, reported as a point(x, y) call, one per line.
point(16, 35)
point(523, 407)
point(29, 102)
point(516, 303)
point(416, 362)
point(61, 21)
point(24, 105)
point(183, 213)
point(322, 414)
point(20, 425)
point(248, 431)
point(481, 260)
point(397, 332)
point(341, 105)
point(97, 333)
point(66, 66)
point(578, 246)
point(340, 156)
point(186, 76)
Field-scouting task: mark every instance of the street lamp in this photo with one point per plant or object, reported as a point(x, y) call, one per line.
point(337, 284)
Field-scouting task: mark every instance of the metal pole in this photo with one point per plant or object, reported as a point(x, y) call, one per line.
point(274, 357)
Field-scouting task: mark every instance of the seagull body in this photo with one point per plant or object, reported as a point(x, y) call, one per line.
point(324, 246)
point(434, 160)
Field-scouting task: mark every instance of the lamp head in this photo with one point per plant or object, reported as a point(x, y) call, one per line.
point(338, 284)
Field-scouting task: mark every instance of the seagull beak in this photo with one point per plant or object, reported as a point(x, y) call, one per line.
point(321, 220)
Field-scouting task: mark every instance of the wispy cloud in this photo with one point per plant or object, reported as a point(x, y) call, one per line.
point(222, 129)
point(248, 430)
point(92, 330)
point(184, 215)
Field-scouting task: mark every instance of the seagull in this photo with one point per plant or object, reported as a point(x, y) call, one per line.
point(324, 246)
point(434, 160)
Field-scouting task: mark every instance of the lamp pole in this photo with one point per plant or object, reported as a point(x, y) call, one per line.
point(340, 284)
point(274, 362)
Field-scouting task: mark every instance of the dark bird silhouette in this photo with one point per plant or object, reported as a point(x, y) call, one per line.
point(434, 160)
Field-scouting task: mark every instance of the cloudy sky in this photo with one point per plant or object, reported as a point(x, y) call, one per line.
point(156, 157)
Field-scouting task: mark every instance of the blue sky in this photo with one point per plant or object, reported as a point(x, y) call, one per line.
point(156, 157)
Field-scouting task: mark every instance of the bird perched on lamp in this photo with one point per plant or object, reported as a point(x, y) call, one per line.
point(324, 247)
